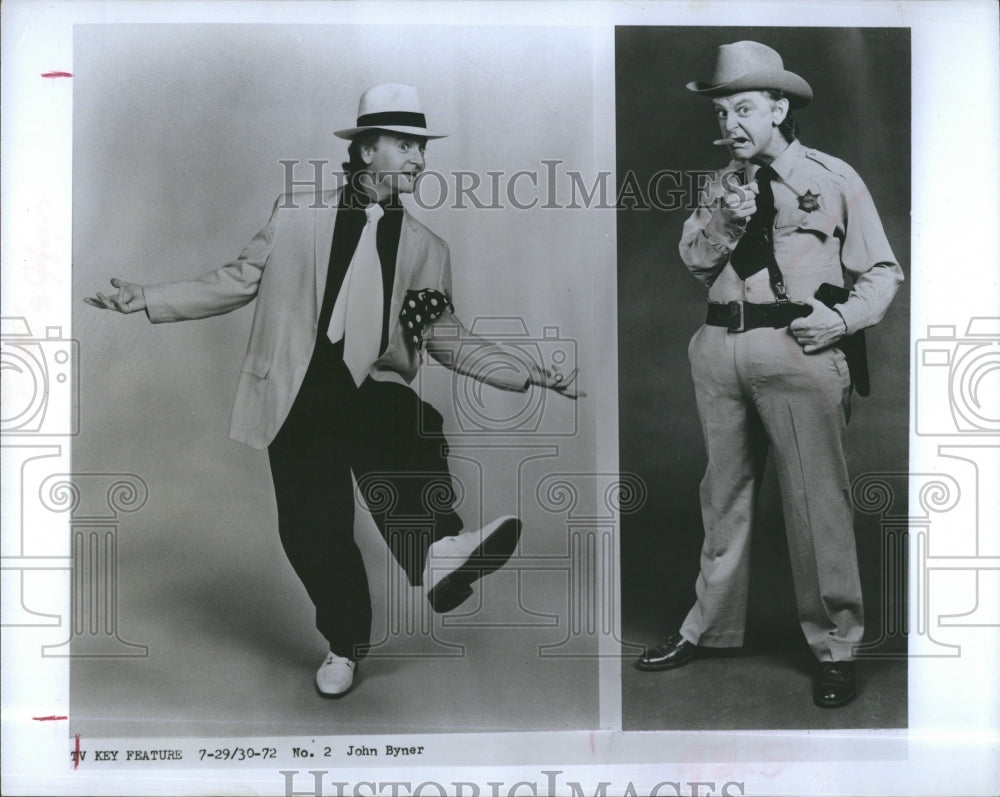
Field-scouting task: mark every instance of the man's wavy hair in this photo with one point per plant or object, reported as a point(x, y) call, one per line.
point(354, 163)
point(789, 128)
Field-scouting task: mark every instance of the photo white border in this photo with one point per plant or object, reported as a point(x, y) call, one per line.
point(952, 741)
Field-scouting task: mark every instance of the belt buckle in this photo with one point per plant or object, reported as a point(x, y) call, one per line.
point(737, 322)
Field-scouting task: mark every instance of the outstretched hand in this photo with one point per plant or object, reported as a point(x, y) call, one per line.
point(553, 379)
point(129, 299)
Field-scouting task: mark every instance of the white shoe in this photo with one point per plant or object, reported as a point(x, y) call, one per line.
point(454, 563)
point(335, 676)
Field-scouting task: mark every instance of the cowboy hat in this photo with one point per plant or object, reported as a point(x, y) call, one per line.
point(747, 66)
point(390, 106)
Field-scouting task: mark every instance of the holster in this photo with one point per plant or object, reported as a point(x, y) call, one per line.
point(853, 346)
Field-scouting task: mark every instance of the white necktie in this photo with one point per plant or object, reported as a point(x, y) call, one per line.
point(357, 313)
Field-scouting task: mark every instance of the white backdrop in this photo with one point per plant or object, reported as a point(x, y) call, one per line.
point(148, 373)
point(178, 136)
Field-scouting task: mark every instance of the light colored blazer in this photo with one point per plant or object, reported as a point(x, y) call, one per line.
point(284, 267)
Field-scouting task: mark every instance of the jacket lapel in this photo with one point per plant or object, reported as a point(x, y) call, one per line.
point(406, 256)
point(324, 219)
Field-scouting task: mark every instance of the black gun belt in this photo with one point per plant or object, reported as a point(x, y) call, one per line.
point(742, 316)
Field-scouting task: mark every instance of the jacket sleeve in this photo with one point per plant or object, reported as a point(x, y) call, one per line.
point(218, 291)
point(451, 343)
point(867, 256)
point(709, 236)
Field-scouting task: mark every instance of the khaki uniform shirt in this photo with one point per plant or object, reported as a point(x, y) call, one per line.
point(825, 223)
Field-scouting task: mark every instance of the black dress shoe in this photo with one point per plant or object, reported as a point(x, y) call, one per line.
point(674, 651)
point(835, 685)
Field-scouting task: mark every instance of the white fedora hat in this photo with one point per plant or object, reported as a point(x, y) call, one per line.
point(390, 106)
point(748, 66)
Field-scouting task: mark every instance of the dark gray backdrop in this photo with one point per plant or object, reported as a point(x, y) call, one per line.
point(861, 113)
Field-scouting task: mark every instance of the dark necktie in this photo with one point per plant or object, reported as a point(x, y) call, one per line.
point(755, 250)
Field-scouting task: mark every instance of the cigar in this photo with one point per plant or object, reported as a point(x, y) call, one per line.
point(724, 142)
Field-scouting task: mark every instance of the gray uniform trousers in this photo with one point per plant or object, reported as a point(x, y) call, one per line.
point(758, 391)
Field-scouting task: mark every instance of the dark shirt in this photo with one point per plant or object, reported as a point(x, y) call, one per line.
point(347, 229)
point(328, 383)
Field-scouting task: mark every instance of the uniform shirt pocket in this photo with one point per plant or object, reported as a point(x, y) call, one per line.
point(807, 244)
point(818, 222)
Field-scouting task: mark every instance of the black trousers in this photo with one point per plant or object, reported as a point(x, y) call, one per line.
point(393, 442)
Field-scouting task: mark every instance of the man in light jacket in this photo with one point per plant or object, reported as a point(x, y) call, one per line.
point(350, 291)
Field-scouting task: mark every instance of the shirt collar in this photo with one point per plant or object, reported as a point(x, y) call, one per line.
point(783, 164)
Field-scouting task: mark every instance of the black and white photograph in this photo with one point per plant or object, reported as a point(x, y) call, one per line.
point(491, 399)
point(738, 382)
point(262, 575)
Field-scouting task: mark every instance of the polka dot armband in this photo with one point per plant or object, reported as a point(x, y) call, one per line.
point(420, 310)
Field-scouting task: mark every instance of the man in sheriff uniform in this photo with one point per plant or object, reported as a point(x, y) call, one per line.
point(769, 367)
point(350, 290)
